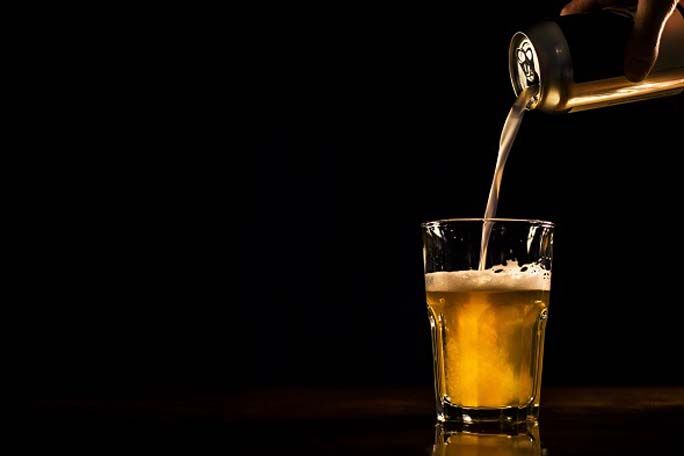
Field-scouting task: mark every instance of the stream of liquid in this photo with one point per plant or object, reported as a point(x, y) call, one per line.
point(508, 134)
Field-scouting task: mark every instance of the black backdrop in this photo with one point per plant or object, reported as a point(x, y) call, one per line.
point(292, 255)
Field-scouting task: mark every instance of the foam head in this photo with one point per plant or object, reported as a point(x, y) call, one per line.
point(509, 277)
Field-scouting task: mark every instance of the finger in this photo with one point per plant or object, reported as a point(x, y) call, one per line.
point(584, 6)
point(642, 48)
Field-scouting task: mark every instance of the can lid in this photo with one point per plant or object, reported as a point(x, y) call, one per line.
point(539, 56)
point(523, 65)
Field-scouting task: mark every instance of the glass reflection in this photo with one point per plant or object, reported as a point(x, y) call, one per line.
point(523, 441)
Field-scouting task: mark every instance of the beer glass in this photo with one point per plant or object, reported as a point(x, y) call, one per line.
point(487, 318)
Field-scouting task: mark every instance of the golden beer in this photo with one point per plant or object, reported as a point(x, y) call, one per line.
point(488, 337)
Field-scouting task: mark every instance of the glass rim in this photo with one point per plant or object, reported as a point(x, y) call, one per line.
point(483, 219)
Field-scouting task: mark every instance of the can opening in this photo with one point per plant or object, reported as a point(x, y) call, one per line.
point(523, 66)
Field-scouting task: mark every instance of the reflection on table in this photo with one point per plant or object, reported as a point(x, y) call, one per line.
point(523, 441)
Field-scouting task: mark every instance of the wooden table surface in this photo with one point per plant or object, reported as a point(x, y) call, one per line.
point(587, 421)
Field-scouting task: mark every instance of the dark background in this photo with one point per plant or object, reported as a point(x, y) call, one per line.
point(263, 229)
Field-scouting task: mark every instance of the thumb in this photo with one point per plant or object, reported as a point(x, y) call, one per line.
point(642, 47)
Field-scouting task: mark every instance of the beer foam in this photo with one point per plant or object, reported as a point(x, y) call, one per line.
point(499, 278)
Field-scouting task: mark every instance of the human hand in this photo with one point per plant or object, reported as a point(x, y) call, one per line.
point(642, 48)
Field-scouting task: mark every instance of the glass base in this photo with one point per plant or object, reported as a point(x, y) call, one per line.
point(520, 440)
point(487, 417)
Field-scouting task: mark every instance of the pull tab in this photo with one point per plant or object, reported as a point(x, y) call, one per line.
point(527, 62)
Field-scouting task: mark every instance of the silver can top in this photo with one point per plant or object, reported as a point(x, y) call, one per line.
point(523, 65)
point(539, 57)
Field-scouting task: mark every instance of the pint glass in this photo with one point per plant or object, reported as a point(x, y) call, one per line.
point(487, 318)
